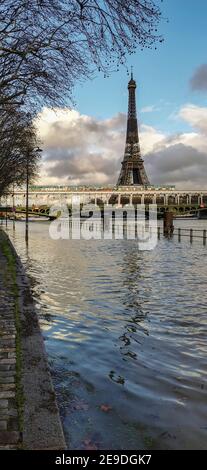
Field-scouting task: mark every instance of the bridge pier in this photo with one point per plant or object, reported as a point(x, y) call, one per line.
point(165, 199)
point(177, 199)
point(200, 199)
point(119, 200)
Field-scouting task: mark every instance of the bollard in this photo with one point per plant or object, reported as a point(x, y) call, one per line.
point(179, 234)
point(204, 237)
point(158, 232)
point(191, 235)
point(168, 227)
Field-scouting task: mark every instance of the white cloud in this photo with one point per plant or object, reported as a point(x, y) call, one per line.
point(80, 149)
point(150, 138)
point(148, 109)
point(196, 116)
point(181, 159)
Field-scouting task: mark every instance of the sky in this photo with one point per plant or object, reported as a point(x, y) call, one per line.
point(85, 145)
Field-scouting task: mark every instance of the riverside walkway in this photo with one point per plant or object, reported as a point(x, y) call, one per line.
point(9, 420)
point(29, 416)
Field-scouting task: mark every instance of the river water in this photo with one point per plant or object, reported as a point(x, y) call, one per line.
point(125, 333)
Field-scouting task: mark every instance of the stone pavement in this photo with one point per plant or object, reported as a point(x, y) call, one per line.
point(9, 423)
point(29, 415)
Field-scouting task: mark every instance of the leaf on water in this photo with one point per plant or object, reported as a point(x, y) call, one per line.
point(105, 408)
point(89, 445)
point(80, 405)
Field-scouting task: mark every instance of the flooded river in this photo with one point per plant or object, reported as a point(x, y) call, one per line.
point(125, 333)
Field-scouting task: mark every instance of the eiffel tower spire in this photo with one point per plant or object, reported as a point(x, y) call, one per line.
point(132, 171)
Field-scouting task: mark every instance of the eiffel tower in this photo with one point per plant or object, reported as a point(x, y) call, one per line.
point(132, 172)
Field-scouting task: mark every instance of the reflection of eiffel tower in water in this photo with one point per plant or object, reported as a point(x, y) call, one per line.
point(132, 171)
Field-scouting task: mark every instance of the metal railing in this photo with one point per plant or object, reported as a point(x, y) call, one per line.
point(191, 233)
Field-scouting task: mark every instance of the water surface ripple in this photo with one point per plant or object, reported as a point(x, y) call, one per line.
point(127, 330)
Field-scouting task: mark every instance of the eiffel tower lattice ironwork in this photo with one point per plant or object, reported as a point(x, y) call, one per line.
point(132, 171)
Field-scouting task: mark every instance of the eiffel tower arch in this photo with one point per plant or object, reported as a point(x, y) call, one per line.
point(132, 172)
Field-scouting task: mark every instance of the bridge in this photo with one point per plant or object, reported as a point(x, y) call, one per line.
point(42, 198)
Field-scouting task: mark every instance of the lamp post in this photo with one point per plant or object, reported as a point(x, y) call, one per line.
point(27, 191)
point(13, 207)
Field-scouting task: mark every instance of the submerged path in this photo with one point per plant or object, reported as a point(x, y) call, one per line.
point(29, 417)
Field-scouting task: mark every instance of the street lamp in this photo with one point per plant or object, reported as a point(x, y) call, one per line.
point(27, 191)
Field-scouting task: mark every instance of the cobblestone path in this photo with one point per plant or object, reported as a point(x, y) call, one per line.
point(9, 429)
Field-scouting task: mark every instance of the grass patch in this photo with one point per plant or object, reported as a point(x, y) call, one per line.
point(11, 264)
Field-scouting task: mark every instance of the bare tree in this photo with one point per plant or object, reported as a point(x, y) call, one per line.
point(18, 145)
point(47, 45)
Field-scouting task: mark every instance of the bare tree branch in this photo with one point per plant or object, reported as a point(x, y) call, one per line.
point(55, 43)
